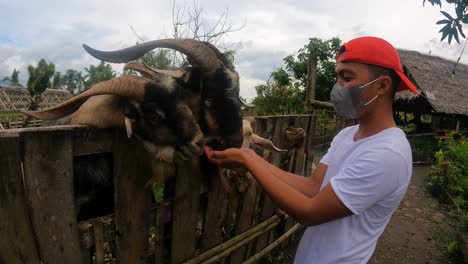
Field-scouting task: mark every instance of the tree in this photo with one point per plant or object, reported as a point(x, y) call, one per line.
point(96, 74)
point(14, 78)
point(279, 95)
point(284, 93)
point(157, 59)
point(73, 81)
point(57, 81)
point(325, 52)
point(452, 23)
point(39, 80)
point(190, 22)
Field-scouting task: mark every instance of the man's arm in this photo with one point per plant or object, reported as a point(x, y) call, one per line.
point(309, 186)
point(323, 207)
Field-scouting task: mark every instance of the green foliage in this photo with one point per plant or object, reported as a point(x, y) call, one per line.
point(285, 92)
point(448, 178)
point(454, 251)
point(158, 191)
point(157, 59)
point(274, 99)
point(230, 55)
point(423, 147)
point(57, 81)
point(325, 51)
point(96, 74)
point(409, 128)
point(73, 81)
point(39, 80)
point(452, 23)
point(14, 80)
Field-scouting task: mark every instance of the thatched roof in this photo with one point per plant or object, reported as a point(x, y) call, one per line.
point(13, 98)
point(438, 87)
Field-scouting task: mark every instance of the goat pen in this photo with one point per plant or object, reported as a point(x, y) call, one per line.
point(192, 223)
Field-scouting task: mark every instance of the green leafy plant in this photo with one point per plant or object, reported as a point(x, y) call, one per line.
point(158, 191)
point(452, 23)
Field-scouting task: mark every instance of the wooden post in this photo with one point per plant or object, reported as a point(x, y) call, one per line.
point(215, 215)
point(311, 79)
point(48, 178)
point(132, 171)
point(185, 210)
point(17, 242)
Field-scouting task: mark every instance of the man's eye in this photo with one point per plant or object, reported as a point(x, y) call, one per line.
point(347, 79)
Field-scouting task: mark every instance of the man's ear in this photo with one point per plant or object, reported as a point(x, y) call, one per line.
point(385, 85)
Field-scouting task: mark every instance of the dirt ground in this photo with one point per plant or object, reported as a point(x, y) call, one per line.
point(417, 233)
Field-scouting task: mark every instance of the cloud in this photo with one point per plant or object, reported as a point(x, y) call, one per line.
point(55, 30)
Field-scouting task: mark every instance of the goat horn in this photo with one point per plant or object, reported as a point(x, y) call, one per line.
point(126, 86)
point(204, 56)
point(244, 103)
point(150, 72)
point(266, 143)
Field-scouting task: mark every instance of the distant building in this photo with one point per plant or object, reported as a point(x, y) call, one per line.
point(440, 92)
point(14, 98)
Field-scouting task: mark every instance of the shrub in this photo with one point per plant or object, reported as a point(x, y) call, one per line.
point(448, 178)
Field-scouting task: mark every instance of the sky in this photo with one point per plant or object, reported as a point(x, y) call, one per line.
point(56, 29)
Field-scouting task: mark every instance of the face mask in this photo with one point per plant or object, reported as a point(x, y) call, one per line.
point(347, 101)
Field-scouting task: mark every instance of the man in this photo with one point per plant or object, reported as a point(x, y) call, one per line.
point(350, 197)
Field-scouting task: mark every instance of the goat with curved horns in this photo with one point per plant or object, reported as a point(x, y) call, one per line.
point(182, 107)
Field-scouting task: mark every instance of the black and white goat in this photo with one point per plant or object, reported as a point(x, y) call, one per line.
point(173, 112)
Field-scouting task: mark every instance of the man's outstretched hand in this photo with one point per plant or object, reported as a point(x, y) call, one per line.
point(228, 158)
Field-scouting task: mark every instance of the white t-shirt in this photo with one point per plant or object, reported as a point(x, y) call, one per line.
point(370, 176)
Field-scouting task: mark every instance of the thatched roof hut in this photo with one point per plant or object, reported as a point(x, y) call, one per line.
point(15, 98)
point(440, 90)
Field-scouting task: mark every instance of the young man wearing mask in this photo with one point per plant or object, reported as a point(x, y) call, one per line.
point(359, 183)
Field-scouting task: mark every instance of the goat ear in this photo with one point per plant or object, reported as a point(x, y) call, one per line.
point(100, 111)
point(266, 143)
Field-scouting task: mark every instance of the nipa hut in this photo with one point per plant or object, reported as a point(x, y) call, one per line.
point(14, 98)
point(442, 90)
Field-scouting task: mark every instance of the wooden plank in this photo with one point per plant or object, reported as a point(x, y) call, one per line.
point(17, 242)
point(132, 172)
point(310, 146)
point(299, 162)
point(286, 159)
point(232, 211)
point(159, 248)
point(268, 206)
point(260, 129)
point(91, 141)
point(311, 80)
point(48, 174)
point(246, 216)
point(185, 211)
point(98, 229)
point(215, 215)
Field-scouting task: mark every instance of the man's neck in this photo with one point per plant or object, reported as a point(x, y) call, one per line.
point(374, 122)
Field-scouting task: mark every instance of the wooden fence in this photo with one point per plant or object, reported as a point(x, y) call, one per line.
point(194, 222)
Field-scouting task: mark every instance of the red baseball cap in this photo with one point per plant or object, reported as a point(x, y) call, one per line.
point(375, 51)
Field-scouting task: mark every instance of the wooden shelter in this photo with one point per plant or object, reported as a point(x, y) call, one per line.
point(15, 98)
point(442, 90)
